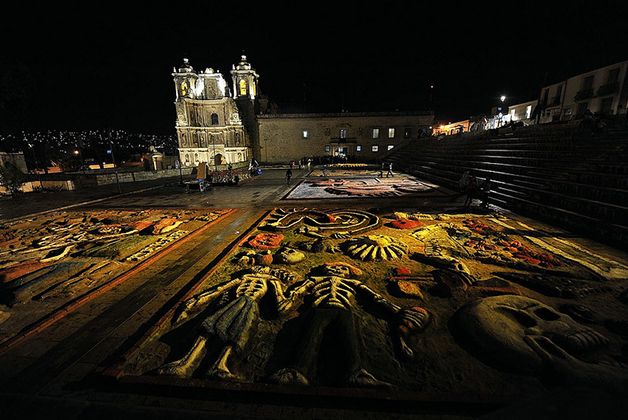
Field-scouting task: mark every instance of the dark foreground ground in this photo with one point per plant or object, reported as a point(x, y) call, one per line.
point(62, 369)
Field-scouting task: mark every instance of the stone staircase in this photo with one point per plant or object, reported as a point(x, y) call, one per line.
point(557, 173)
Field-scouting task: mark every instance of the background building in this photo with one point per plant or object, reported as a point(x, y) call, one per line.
point(522, 112)
point(361, 136)
point(601, 90)
point(451, 129)
point(15, 159)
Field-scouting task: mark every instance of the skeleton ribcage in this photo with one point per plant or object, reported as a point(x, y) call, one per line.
point(253, 285)
point(334, 292)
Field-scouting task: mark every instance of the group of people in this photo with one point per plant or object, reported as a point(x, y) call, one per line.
point(474, 189)
point(384, 166)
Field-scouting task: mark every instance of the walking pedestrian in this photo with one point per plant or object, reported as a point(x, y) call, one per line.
point(390, 172)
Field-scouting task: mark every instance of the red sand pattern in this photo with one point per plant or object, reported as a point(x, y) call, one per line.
point(405, 224)
point(266, 240)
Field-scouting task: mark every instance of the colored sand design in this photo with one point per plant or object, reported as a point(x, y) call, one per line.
point(361, 187)
point(432, 271)
point(48, 260)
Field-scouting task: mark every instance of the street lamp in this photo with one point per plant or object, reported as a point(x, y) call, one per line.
point(32, 146)
point(502, 98)
point(113, 159)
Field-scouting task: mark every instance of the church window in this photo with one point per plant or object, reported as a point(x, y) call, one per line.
point(184, 88)
point(391, 146)
point(305, 134)
point(358, 148)
point(407, 133)
point(375, 148)
point(327, 148)
point(242, 87)
point(391, 133)
point(214, 119)
point(376, 133)
point(343, 133)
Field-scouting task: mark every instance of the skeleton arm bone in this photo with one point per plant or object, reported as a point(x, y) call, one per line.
point(203, 298)
point(406, 319)
point(280, 298)
point(295, 295)
point(378, 299)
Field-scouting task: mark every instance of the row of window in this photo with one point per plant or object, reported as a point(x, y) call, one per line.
point(407, 133)
point(358, 148)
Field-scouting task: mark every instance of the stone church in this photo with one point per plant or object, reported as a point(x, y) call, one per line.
point(222, 125)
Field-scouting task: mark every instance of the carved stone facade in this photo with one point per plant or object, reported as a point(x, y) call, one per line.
point(209, 125)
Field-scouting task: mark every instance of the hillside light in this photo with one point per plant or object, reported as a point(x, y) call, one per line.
point(502, 98)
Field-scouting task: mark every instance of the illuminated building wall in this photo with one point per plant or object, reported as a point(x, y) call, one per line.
point(601, 90)
point(365, 136)
point(209, 125)
point(451, 128)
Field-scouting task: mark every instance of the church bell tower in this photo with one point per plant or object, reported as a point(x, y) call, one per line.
point(246, 95)
point(244, 80)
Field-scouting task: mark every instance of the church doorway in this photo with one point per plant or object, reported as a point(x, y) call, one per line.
point(218, 159)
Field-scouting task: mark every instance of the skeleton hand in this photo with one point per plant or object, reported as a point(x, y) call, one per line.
point(287, 303)
point(184, 308)
point(409, 320)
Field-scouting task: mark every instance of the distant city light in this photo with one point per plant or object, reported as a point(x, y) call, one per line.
point(502, 98)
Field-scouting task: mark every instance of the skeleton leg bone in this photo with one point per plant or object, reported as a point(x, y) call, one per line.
point(220, 369)
point(185, 366)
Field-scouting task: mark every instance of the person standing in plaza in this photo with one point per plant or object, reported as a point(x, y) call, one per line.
point(471, 190)
point(288, 175)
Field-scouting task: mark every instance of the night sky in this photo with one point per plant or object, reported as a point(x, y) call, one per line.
point(94, 67)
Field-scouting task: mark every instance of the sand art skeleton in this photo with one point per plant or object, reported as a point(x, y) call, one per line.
point(233, 323)
point(333, 297)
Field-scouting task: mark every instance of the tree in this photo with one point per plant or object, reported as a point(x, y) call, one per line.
point(11, 178)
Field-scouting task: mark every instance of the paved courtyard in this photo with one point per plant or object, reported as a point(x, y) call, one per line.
point(240, 303)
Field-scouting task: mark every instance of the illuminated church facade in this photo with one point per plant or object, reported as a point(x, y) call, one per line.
point(222, 125)
point(209, 123)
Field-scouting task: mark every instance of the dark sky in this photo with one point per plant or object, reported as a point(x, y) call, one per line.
point(97, 66)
